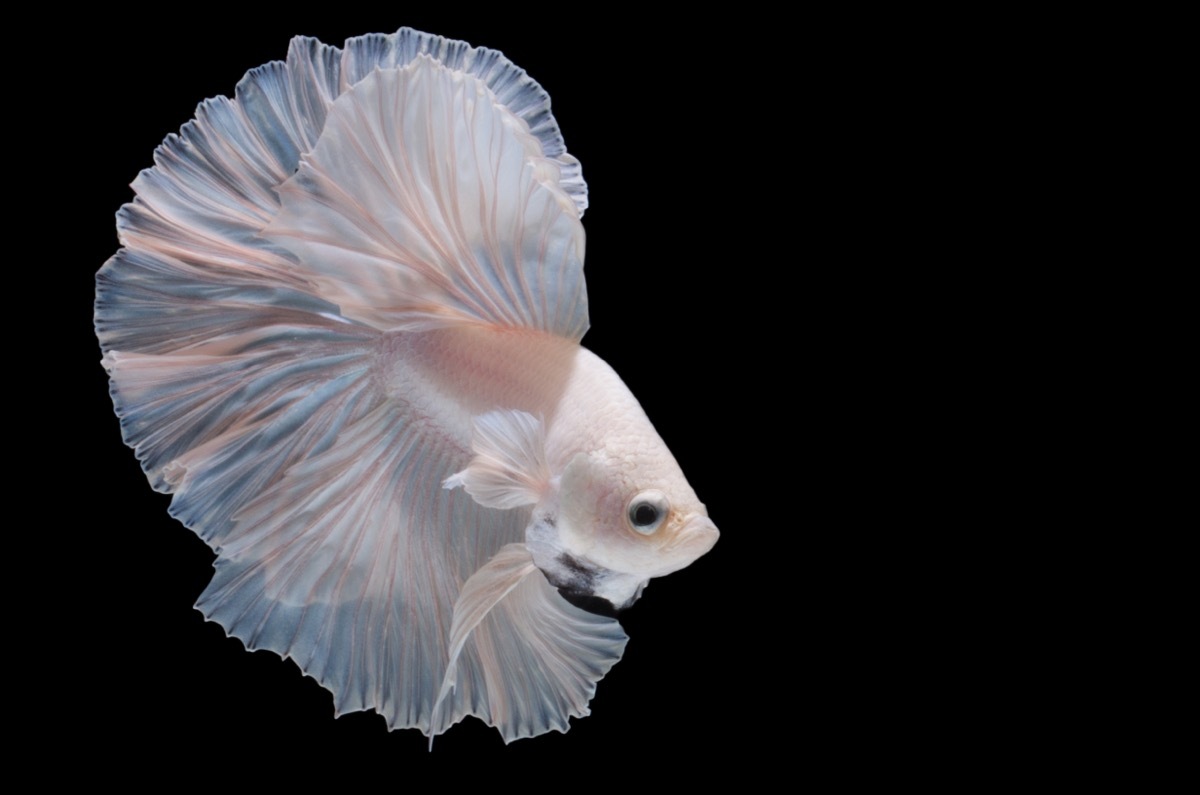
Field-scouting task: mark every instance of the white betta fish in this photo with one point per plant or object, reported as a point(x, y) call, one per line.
point(343, 330)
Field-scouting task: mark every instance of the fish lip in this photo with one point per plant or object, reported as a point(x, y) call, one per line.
point(692, 541)
point(698, 535)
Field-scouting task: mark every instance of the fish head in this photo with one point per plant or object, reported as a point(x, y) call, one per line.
point(604, 519)
point(612, 522)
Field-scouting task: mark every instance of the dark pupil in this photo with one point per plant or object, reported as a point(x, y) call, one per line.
point(644, 514)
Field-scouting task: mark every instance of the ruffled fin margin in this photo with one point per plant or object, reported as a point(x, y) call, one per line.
point(513, 88)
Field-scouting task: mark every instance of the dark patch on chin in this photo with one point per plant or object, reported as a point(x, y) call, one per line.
point(576, 581)
point(590, 602)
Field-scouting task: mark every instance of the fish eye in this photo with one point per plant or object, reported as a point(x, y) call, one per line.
point(648, 510)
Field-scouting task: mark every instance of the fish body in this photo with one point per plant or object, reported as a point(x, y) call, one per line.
point(344, 332)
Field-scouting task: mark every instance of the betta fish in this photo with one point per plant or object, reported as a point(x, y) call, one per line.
point(343, 331)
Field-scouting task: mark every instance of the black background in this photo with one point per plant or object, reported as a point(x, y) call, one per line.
point(784, 242)
point(689, 265)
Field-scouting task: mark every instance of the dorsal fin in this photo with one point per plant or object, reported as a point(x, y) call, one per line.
point(427, 203)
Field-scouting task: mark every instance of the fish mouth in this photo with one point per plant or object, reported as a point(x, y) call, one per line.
point(697, 536)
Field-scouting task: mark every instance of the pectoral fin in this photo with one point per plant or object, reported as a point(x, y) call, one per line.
point(509, 468)
point(479, 595)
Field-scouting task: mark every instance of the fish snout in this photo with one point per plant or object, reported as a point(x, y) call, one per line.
point(696, 537)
